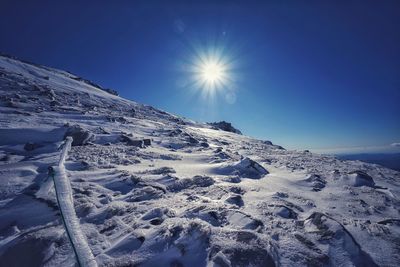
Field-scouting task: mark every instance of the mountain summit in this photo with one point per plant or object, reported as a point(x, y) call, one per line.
point(148, 188)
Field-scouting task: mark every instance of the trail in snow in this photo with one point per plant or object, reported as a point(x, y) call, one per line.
point(66, 204)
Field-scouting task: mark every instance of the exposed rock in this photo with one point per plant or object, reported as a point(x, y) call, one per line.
point(54, 103)
point(235, 200)
point(202, 181)
point(79, 135)
point(175, 132)
point(110, 91)
point(285, 212)
point(135, 142)
point(196, 181)
point(147, 142)
point(362, 179)
point(318, 183)
point(225, 126)
point(31, 146)
point(192, 140)
point(250, 169)
point(132, 142)
point(162, 170)
point(204, 144)
point(145, 193)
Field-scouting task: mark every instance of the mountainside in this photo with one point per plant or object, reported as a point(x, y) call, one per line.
point(153, 189)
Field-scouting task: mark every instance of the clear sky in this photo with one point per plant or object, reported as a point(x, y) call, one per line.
point(322, 75)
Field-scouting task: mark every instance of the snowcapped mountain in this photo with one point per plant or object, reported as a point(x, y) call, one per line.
point(142, 187)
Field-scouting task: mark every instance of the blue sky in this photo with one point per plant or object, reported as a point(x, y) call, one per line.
point(305, 74)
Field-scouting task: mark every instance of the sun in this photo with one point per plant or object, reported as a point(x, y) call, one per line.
point(212, 72)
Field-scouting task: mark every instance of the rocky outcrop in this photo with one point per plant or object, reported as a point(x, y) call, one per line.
point(225, 126)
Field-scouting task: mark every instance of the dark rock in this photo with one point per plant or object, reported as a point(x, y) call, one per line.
point(54, 103)
point(175, 132)
point(225, 126)
point(156, 221)
point(196, 181)
point(110, 91)
point(132, 142)
point(192, 140)
point(147, 142)
point(162, 170)
point(204, 144)
point(235, 200)
point(31, 146)
point(133, 112)
point(11, 104)
point(218, 149)
point(5, 158)
point(202, 181)
point(317, 182)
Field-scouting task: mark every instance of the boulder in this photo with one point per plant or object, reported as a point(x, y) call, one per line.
point(235, 199)
point(360, 178)
point(249, 168)
point(79, 135)
point(31, 146)
point(147, 142)
point(135, 142)
point(318, 182)
point(204, 144)
point(192, 140)
point(285, 212)
point(132, 142)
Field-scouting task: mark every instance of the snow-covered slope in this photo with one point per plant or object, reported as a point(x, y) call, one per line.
point(154, 189)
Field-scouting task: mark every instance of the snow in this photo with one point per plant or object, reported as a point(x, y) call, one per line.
point(192, 196)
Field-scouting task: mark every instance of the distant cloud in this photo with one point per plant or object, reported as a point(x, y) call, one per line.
point(395, 144)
